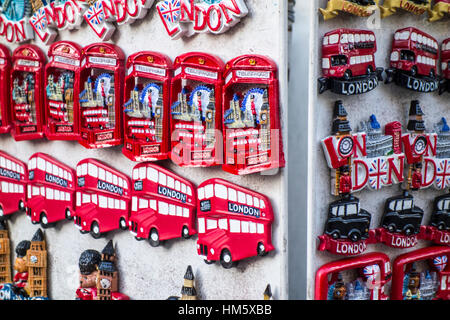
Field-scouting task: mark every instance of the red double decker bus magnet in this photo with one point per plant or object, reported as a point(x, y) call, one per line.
point(251, 116)
point(51, 190)
point(146, 107)
point(27, 93)
point(13, 183)
point(5, 69)
point(102, 198)
point(196, 110)
point(445, 66)
point(101, 96)
point(373, 272)
point(163, 205)
point(234, 223)
point(62, 85)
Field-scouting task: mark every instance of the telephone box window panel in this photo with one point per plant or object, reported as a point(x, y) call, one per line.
point(146, 107)
point(5, 67)
point(27, 93)
point(101, 96)
point(62, 78)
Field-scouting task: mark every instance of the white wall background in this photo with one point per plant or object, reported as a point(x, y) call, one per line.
point(387, 102)
point(156, 273)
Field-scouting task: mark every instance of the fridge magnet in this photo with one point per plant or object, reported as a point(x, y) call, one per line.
point(102, 198)
point(15, 17)
point(13, 184)
point(445, 67)
point(51, 190)
point(413, 61)
point(422, 274)
point(163, 205)
point(196, 110)
point(365, 278)
point(146, 108)
point(188, 291)
point(188, 17)
point(5, 254)
point(5, 69)
point(267, 295)
point(361, 8)
point(101, 98)
point(234, 223)
point(251, 116)
point(348, 62)
point(439, 10)
point(27, 93)
point(99, 275)
point(62, 78)
point(438, 229)
point(367, 158)
point(417, 7)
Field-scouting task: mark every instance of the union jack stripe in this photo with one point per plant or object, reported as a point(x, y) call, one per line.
point(95, 13)
point(39, 19)
point(170, 10)
point(378, 173)
point(443, 174)
point(440, 263)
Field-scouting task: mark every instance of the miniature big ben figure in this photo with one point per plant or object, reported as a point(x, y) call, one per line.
point(188, 291)
point(107, 280)
point(37, 266)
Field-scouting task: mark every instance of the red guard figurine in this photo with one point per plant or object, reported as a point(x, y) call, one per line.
point(416, 179)
point(62, 78)
point(5, 69)
point(13, 185)
point(27, 93)
point(345, 181)
point(146, 108)
point(101, 96)
point(251, 120)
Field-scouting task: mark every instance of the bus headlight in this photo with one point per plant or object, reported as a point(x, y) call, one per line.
point(444, 65)
point(84, 223)
point(395, 56)
point(325, 63)
point(142, 229)
point(211, 250)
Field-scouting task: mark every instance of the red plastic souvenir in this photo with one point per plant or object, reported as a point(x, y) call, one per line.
point(62, 79)
point(414, 60)
point(196, 110)
point(234, 223)
point(27, 93)
point(348, 62)
point(438, 229)
point(13, 182)
point(163, 205)
point(101, 96)
point(433, 283)
point(102, 198)
point(445, 65)
point(5, 66)
point(146, 108)
point(251, 116)
point(373, 272)
point(51, 190)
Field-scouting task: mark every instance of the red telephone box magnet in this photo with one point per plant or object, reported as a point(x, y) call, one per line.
point(102, 198)
point(251, 116)
point(51, 190)
point(234, 223)
point(27, 93)
point(163, 205)
point(196, 110)
point(13, 182)
point(101, 96)
point(373, 271)
point(445, 66)
point(146, 108)
point(62, 78)
point(423, 274)
point(5, 69)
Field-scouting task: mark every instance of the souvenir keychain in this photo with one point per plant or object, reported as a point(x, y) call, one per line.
point(439, 10)
point(27, 93)
point(251, 116)
point(101, 96)
point(361, 8)
point(62, 78)
point(196, 110)
point(163, 205)
point(5, 69)
point(102, 198)
point(445, 66)
point(414, 58)
point(234, 223)
point(422, 274)
point(146, 108)
point(371, 272)
point(417, 7)
point(348, 62)
point(51, 190)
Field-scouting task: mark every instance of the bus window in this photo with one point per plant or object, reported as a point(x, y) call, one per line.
point(152, 174)
point(117, 204)
point(232, 195)
point(252, 227)
point(92, 170)
point(185, 212)
point(57, 195)
point(115, 179)
point(223, 224)
point(262, 204)
point(209, 191)
point(162, 179)
point(414, 36)
point(172, 210)
point(86, 198)
point(189, 191)
point(102, 202)
point(152, 204)
point(245, 227)
point(123, 205)
point(220, 191)
point(142, 173)
point(143, 203)
point(201, 225)
point(241, 197)
point(110, 203)
point(325, 41)
point(344, 38)
point(357, 38)
point(333, 39)
point(170, 182)
point(2, 162)
point(134, 204)
point(109, 177)
point(49, 193)
point(201, 193)
point(33, 163)
point(101, 174)
point(78, 197)
point(163, 208)
point(183, 188)
point(84, 169)
point(94, 198)
point(249, 200)
point(41, 164)
point(339, 60)
point(211, 224)
point(260, 228)
point(256, 202)
point(235, 226)
point(179, 211)
point(177, 185)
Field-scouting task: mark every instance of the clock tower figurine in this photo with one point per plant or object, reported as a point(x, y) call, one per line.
point(37, 266)
point(107, 279)
point(188, 291)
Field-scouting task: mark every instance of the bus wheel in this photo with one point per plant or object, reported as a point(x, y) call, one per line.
point(95, 230)
point(21, 206)
point(44, 221)
point(123, 224)
point(68, 214)
point(154, 238)
point(185, 232)
point(208, 261)
point(261, 249)
point(226, 260)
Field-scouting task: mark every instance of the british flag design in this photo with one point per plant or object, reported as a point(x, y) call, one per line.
point(440, 263)
point(372, 272)
point(170, 10)
point(95, 14)
point(378, 172)
point(442, 180)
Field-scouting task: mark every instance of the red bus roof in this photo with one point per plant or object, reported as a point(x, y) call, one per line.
point(406, 34)
point(8, 162)
point(348, 30)
point(46, 163)
point(236, 194)
point(334, 42)
point(446, 46)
